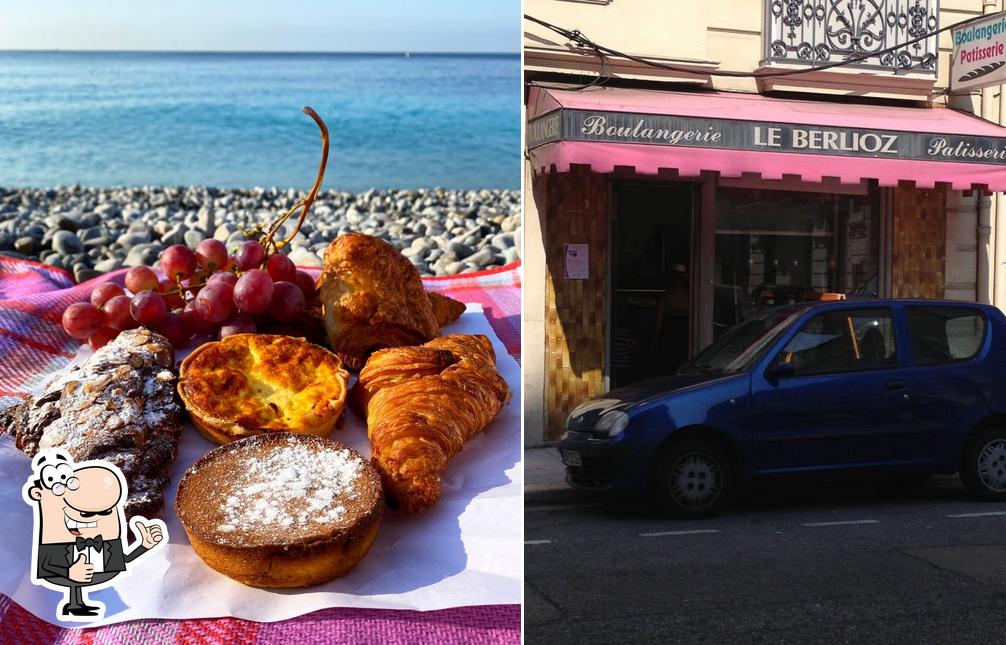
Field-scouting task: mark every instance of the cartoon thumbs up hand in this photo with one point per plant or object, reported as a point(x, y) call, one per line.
point(81, 571)
point(150, 536)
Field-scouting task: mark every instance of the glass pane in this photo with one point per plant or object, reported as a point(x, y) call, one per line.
point(843, 341)
point(650, 300)
point(944, 334)
point(779, 247)
point(741, 347)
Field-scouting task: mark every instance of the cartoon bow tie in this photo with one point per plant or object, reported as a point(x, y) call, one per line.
point(84, 543)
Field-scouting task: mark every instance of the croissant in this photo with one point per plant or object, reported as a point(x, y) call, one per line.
point(422, 404)
point(445, 309)
point(371, 298)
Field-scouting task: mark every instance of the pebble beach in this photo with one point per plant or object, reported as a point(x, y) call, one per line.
point(91, 231)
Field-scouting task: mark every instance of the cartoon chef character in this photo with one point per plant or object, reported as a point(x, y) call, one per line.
point(78, 529)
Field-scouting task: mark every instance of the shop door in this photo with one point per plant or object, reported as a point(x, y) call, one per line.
point(651, 281)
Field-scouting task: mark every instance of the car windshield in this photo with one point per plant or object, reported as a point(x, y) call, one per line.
point(740, 347)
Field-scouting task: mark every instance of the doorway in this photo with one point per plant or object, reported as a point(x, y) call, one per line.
point(651, 282)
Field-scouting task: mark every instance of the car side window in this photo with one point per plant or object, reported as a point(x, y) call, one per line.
point(842, 341)
point(944, 334)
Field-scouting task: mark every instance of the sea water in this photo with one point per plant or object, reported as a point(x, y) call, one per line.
point(235, 120)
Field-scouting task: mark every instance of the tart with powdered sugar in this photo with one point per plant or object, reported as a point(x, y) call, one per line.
point(281, 509)
point(119, 406)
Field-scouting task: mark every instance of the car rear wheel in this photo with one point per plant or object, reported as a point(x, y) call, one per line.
point(984, 468)
point(693, 479)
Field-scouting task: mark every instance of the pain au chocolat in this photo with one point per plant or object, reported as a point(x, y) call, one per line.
point(247, 384)
point(281, 509)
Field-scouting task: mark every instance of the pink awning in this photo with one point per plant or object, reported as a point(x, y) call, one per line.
point(607, 128)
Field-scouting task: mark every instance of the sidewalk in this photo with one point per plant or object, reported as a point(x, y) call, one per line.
point(545, 477)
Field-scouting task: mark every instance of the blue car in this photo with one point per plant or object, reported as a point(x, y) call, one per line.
point(892, 386)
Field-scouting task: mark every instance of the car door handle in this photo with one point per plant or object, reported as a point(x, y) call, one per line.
point(896, 384)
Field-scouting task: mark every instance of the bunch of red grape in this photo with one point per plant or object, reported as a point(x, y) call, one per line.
point(206, 292)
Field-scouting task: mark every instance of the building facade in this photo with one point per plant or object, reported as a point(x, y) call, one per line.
point(663, 205)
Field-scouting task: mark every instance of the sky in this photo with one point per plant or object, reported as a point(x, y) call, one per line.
point(260, 25)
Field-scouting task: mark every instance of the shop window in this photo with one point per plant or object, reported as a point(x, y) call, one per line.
point(780, 247)
point(842, 341)
point(944, 334)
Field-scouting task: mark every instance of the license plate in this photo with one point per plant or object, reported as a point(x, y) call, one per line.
point(571, 457)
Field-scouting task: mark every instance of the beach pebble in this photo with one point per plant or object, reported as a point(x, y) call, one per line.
point(54, 259)
point(174, 235)
point(143, 255)
point(235, 239)
point(89, 233)
point(206, 218)
point(460, 249)
point(224, 231)
point(481, 259)
point(107, 209)
point(96, 230)
point(354, 216)
point(108, 265)
point(66, 243)
point(303, 257)
point(83, 274)
point(129, 240)
point(90, 219)
point(35, 231)
point(503, 241)
point(193, 238)
point(27, 245)
point(61, 222)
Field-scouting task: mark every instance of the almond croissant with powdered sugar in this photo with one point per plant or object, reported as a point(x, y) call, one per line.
point(119, 406)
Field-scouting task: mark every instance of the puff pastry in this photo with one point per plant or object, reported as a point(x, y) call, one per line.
point(445, 309)
point(372, 298)
point(422, 404)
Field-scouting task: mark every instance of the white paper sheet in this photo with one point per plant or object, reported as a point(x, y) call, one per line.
point(466, 550)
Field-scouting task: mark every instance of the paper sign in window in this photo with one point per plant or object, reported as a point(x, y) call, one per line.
point(577, 261)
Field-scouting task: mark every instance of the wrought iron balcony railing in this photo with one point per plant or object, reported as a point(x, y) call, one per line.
point(814, 32)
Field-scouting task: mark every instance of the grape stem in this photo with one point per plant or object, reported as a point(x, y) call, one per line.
point(305, 203)
point(193, 286)
point(268, 239)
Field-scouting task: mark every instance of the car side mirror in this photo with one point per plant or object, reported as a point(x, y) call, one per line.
point(778, 371)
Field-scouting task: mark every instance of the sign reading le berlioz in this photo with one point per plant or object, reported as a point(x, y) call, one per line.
point(735, 134)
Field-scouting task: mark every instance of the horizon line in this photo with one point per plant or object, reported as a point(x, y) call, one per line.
point(390, 52)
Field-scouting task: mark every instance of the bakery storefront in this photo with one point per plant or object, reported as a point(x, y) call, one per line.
point(669, 217)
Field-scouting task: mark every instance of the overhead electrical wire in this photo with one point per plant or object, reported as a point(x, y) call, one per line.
point(577, 38)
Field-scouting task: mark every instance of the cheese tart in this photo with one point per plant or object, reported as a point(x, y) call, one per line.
point(247, 384)
point(281, 509)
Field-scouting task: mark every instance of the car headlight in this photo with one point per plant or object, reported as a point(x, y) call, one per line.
point(613, 423)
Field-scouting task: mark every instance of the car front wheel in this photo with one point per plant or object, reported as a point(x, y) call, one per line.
point(984, 468)
point(693, 479)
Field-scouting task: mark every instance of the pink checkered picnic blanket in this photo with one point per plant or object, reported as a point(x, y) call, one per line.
point(33, 345)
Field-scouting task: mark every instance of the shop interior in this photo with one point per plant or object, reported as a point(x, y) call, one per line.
point(771, 247)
